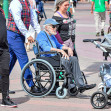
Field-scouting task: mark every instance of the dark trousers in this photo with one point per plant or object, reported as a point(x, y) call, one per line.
point(71, 67)
point(4, 72)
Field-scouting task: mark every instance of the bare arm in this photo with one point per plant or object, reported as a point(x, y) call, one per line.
point(92, 5)
point(106, 3)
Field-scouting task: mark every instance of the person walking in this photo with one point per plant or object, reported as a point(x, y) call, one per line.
point(19, 19)
point(99, 15)
point(4, 63)
point(66, 27)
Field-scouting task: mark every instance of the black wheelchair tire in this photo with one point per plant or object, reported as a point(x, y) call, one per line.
point(53, 75)
point(73, 93)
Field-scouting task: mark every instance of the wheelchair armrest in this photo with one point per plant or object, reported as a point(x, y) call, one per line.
point(50, 52)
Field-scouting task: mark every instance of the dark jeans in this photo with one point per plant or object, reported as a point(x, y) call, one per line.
point(4, 72)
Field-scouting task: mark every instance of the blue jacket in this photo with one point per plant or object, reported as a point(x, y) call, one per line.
point(45, 44)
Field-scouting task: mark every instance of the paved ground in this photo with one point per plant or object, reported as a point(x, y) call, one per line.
point(90, 59)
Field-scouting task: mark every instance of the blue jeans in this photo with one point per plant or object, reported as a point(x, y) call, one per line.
point(17, 51)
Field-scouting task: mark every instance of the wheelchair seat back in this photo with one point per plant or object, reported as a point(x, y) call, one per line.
point(53, 60)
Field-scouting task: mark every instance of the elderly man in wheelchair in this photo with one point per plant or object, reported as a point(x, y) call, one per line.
point(52, 60)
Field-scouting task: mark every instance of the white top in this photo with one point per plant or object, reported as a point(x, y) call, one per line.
point(15, 9)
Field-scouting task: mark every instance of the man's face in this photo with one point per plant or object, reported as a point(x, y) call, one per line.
point(52, 29)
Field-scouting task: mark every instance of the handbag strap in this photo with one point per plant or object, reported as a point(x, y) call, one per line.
point(48, 39)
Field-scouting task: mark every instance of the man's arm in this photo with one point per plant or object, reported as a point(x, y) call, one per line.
point(34, 21)
point(92, 5)
point(106, 3)
point(60, 51)
point(16, 13)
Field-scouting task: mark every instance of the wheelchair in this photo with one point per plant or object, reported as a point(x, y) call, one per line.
point(45, 75)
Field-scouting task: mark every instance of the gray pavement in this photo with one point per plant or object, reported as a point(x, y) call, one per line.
point(90, 59)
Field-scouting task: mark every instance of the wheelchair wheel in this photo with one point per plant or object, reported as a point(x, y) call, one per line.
point(99, 100)
point(73, 91)
point(43, 77)
point(61, 93)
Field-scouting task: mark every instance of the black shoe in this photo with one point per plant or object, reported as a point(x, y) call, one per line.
point(97, 34)
point(8, 103)
point(91, 86)
point(11, 92)
point(35, 89)
point(102, 32)
point(86, 87)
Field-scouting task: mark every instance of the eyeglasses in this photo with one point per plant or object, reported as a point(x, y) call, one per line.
point(54, 26)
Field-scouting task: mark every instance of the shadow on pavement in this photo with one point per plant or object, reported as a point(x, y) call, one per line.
point(21, 100)
point(94, 68)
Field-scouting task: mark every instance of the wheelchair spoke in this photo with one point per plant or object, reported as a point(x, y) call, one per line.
point(46, 84)
point(43, 75)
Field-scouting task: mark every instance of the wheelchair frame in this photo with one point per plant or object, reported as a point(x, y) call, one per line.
point(51, 76)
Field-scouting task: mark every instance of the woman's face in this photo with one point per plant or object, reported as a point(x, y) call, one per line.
point(64, 6)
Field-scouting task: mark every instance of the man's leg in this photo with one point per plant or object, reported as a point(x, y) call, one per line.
point(4, 71)
point(72, 67)
point(97, 20)
point(16, 42)
point(103, 18)
point(13, 59)
point(78, 76)
point(11, 38)
point(76, 71)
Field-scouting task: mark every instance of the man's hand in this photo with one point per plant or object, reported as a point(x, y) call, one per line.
point(30, 39)
point(91, 11)
point(64, 54)
point(70, 52)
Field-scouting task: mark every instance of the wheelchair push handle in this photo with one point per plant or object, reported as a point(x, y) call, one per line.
point(91, 40)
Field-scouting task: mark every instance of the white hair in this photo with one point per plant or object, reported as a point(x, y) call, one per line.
point(45, 26)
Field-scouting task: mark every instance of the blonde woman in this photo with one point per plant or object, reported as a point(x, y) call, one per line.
point(66, 28)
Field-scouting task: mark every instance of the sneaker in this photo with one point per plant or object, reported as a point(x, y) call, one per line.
point(102, 32)
point(97, 34)
point(11, 92)
point(35, 89)
point(8, 103)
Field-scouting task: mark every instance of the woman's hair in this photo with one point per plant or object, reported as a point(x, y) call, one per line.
point(59, 3)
